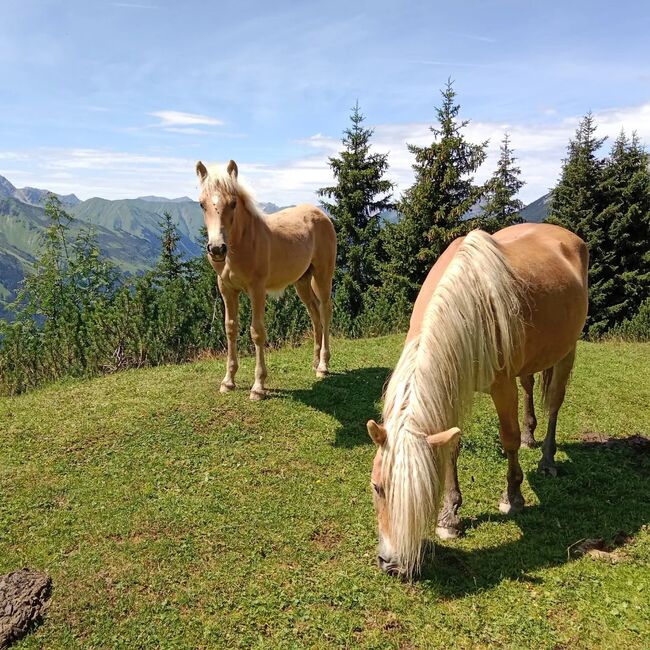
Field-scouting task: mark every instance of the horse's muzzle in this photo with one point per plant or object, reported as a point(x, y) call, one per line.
point(389, 567)
point(217, 251)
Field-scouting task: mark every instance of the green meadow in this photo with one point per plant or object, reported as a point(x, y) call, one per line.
point(170, 516)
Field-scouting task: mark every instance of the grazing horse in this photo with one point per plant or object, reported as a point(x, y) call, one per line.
point(493, 308)
point(259, 254)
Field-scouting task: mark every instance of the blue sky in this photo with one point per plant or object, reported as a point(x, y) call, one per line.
point(120, 98)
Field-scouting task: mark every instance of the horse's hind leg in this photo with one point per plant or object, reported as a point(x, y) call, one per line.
point(448, 524)
point(530, 421)
point(307, 295)
point(322, 285)
point(504, 396)
point(554, 399)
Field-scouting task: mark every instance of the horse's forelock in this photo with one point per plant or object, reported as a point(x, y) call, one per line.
point(219, 181)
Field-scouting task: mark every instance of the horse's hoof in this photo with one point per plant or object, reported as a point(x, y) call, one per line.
point(548, 468)
point(257, 395)
point(445, 532)
point(508, 507)
point(528, 443)
point(226, 388)
point(322, 373)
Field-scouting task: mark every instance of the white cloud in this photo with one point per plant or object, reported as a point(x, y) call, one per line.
point(177, 118)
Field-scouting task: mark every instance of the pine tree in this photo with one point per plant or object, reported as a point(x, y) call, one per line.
point(502, 207)
point(433, 207)
point(577, 203)
point(170, 264)
point(355, 203)
point(625, 224)
point(44, 293)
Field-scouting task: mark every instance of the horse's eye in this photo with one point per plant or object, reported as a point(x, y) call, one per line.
point(378, 489)
point(202, 205)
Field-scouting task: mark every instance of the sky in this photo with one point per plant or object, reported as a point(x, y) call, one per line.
point(119, 99)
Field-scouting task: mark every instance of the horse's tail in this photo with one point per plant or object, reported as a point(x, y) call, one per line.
point(545, 385)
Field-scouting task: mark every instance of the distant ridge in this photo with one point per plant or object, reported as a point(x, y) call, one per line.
point(538, 210)
point(32, 195)
point(162, 199)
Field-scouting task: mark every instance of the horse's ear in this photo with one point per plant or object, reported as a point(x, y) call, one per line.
point(201, 171)
point(232, 169)
point(377, 432)
point(444, 438)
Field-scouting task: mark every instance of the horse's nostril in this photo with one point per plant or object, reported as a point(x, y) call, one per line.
point(216, 251)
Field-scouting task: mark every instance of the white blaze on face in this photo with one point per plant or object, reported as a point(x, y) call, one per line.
point(214, 222)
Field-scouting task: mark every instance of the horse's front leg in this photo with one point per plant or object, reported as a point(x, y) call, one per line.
point(258, 334)
point(448, 524)
point(231, 325)
point(504, 395)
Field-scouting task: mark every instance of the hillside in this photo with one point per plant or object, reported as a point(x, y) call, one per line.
point(169, 515)
point(538, 210)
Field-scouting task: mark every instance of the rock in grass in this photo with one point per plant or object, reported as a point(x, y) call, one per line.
point(24, 597)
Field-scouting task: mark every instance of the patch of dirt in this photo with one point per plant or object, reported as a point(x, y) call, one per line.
point(325, 538)
point(637, 443)
point(24, 597)
point(598, 549)
point(383, 620)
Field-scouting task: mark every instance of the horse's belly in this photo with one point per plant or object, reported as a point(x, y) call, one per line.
point(287, 267)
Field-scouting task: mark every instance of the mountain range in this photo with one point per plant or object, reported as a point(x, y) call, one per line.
point(127, 229)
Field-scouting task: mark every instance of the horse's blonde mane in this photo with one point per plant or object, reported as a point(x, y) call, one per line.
point(219, 181)
point(471, 330)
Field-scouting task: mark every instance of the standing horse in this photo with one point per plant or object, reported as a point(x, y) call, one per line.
point(259, 253)
point(493, 308)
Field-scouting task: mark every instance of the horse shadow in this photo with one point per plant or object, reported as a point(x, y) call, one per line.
point(601, 492)
point(350, 397)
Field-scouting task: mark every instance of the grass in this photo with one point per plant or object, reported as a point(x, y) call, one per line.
point(171, 516)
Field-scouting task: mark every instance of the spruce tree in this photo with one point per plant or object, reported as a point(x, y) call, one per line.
point(355, 204)
point(577, 203)
point(170, 265)
point(502, 207)
point(625, 224)
point(432, 209)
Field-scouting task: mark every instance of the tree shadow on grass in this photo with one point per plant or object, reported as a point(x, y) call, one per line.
point(350, 397)
point(600, 492)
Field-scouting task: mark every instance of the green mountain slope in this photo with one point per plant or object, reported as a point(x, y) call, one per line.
point(537, 211)
point(22, 227)
point(140, 218)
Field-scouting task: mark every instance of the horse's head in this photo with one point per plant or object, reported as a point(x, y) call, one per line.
point(218, 200)
point(405, 485)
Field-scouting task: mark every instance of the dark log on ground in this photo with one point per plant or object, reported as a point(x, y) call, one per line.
point(24, 598)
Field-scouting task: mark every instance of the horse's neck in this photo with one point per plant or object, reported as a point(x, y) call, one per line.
point(245, 224)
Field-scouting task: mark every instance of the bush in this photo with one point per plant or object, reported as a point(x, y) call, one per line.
point(635, 329)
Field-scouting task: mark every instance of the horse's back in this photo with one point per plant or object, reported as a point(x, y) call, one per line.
point(541, 249)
